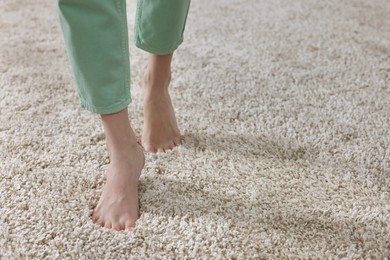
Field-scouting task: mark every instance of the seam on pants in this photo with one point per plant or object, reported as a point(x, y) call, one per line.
point(138, 20)
point(124, 40)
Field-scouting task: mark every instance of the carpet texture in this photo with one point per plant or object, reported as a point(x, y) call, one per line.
point(285, 109)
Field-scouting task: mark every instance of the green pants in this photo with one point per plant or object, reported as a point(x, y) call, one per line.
point(96, 38)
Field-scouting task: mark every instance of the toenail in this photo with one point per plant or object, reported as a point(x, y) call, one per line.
point(117, 227)
point(108, 225)
point(99, 224)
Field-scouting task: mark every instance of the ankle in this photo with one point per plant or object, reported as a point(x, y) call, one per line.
point(131, 158)
point(156, 80)
point(123, 151)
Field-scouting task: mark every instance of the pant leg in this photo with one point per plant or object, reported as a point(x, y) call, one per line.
point(160, 24)
point(96, 38)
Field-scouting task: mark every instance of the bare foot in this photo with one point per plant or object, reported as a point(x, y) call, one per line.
point(118, 206)
point(160, 132)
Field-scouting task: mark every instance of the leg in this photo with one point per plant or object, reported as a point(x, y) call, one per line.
point(118, 206)
point(95, 33)
point(160, 132)
point(159, 30)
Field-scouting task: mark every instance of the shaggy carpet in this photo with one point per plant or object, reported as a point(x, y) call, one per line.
point(285, 108)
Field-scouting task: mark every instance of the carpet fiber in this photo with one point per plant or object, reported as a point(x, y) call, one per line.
point(285, 109)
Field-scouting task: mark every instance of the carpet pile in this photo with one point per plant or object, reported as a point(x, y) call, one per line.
point(285, 109)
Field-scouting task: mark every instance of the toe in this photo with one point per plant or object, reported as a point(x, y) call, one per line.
point(117, 226)
point(160, 150)
point(130, 226)
point(177, 140)
point(150, 149)
point(94, 217)
point(171, 145)
point(169, 148)
point(108, 225)
point(99, 222)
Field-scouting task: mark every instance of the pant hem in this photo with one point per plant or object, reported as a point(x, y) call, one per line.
point(106, 110)
point(148, 48)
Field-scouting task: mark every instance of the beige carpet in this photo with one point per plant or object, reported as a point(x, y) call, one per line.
point(285, 107)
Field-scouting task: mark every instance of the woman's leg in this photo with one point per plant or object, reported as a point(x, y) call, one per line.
point(118, 205)
point(95, 33)
point(159, 30)
point(160, 132)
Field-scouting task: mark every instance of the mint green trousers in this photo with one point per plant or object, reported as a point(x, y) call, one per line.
point(96, 39)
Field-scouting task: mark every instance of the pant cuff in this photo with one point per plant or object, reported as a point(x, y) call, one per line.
point(105, 110)
point(154, 50)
